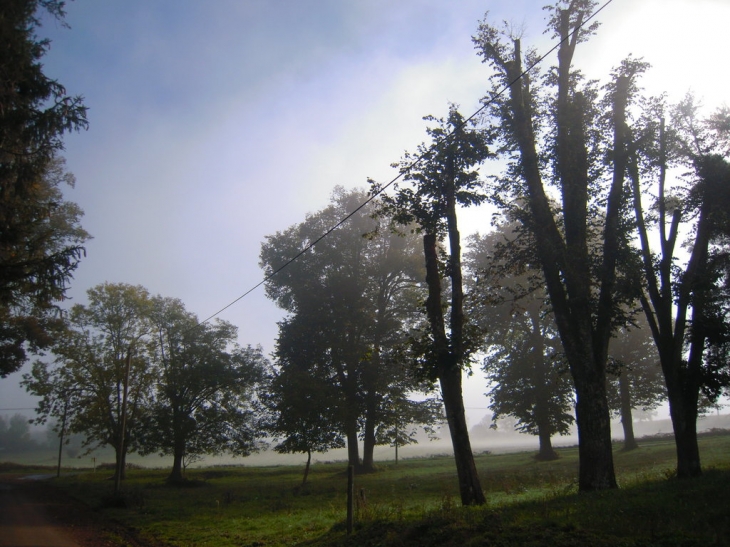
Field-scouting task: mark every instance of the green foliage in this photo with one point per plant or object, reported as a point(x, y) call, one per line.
point(302, 410)
point(190, 387)
point(449, 164)
point(439, 176)
point(89, 378)
point(351, 302)
point(41, 240)
point(204, 390)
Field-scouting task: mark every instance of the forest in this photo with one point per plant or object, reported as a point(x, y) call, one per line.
point(600, 284)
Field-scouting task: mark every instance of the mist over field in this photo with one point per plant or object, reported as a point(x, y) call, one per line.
point(484, 440)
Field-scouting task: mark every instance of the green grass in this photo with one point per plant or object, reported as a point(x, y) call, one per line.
point(416, 502)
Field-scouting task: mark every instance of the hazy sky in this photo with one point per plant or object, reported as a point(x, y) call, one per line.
point(213, 124)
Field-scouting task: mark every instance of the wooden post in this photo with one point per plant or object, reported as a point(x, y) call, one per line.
point(350, 497)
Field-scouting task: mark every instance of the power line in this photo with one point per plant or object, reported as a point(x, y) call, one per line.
point(410, 166)
point(14, 409)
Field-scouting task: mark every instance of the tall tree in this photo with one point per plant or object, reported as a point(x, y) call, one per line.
point(552, 136)
point(103, 355)
point(41, 241)
point(445, 178)
point(345, 300)
point(204, 388)
point(685, 301)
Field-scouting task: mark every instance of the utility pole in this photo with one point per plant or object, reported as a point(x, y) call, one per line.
point(62, 432)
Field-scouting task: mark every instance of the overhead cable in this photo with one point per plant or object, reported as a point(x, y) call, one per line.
point(417, 161)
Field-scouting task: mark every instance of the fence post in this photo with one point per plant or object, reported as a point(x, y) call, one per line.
point(350, 497)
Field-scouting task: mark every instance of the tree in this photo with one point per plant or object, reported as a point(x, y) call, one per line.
point(302, 410)
point(556, 136)
point(41, 241)
point(407, 418)
point(15, 435)
point(102, 355)
point(204, 387)
point(685, 301)
point(524, 362)
point(634, 375)
point(348, 307)
point(445, 177)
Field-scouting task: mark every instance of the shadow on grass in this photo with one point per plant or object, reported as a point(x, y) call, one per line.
point(666, 513)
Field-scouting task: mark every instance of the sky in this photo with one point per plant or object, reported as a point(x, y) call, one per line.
point(214, 124)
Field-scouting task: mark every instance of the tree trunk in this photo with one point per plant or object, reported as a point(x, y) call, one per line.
point(687, 390)
point(449, 375)
point(353, 448)
point(683, 412)
point(688, 451)
point(306, 467)
point(627, 421)
point(120, 472)
point(176, 475)
point(544, 433)
point(466, 470)
point(546, 452)
point(179, 430)
point(543, 392)
point(60, 449)
point(595, 449)
point(368, 451)
point(566, 264)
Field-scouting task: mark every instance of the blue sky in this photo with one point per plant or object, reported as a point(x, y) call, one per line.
point(213, 124)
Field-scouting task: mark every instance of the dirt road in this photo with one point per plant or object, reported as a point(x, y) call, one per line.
point(35, 514)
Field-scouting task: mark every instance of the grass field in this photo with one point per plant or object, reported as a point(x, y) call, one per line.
point(416, 502)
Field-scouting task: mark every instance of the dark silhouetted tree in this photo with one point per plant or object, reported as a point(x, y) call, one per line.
point(563, 135)
point(445, 178)
point(685, 299)
point(350, 301)
point(40, 237)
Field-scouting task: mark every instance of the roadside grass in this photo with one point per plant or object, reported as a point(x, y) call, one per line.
point(416, 502)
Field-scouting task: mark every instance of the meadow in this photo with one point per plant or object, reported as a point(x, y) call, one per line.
point(416, 502)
